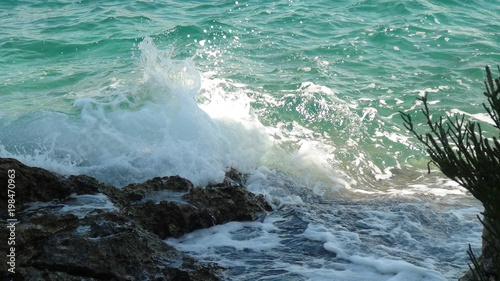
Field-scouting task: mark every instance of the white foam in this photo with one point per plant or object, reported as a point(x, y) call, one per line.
point(78, 205)
point(341, 242)
point(298, 151)
point(83, 230)
point(273, 187)
point(388, 241)
point(347, 245)
point(174, 120)
point(484, 117)
point(82, 205)
point(434, 187)
point(253, 236)
point(150, 127)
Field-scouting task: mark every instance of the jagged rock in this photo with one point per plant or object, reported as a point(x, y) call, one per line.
point(69, 230)
point(102, 246)
point(39, 185)
point(174, 183)
point(229, 200)
point(228, 203)
point(137, 191)
point(176, 219)
point(202, 208)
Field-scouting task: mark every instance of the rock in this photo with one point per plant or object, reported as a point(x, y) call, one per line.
point(137, 191)
point(176, 219)
point(228, 203)
point(102, 246)
point(38, 185)
point(76, 228)
point(174, 183)
point(202, 208)
point(228, 200)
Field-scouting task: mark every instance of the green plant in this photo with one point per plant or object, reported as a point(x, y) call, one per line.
point(461, 151)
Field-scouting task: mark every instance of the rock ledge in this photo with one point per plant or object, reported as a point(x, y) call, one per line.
point(76, 228)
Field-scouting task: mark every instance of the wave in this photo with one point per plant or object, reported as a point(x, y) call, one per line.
point(131, 134)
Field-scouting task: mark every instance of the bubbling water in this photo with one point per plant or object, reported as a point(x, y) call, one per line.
point(135, 132)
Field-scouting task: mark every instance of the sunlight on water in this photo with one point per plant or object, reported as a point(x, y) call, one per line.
point(302, 96)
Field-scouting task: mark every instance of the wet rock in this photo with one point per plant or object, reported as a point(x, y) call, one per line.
point(229, 200)
point(202, 208)
point(174, 183)
point(102, 246)
point(39, 185)
point(76, 228)
point(137, 191)
point(167, 219)
point(227, 203)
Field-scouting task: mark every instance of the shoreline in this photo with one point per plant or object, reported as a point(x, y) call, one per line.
point(76, 228)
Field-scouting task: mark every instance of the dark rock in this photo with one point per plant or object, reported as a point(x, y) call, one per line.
point(232, 178)
point(176, 219)
point(31, 184)
point(228, 203)
point(101, 246)
point(39, 185)
point(135, 192)
point(203, 208)
point(67, 232)
point(229, 200)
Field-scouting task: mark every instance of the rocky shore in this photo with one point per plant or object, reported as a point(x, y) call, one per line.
point(76, 228)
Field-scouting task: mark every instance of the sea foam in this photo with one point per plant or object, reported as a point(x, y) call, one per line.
point(139, 129)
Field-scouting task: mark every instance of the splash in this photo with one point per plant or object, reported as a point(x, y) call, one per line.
point(148, 126)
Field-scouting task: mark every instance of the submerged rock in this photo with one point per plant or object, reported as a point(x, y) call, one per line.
point(76, 228)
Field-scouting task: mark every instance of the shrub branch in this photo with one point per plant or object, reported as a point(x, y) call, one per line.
point(461, 151)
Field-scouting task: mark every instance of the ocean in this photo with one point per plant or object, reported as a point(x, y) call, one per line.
point(303, 96)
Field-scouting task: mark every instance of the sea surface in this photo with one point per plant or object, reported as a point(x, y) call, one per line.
point(303, 96)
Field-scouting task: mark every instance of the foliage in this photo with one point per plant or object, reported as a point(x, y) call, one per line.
point(461, 151)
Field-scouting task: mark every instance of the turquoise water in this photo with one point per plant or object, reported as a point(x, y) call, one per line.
point(303, 96)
